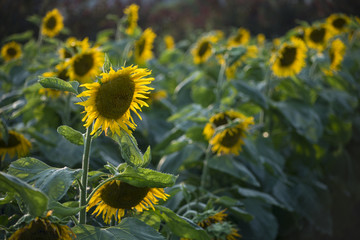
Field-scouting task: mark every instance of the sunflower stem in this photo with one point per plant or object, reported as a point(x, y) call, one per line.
point(84, 178)
point(205, 167)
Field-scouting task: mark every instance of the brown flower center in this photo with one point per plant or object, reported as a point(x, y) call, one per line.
point(339, 23)
point(83, 64)
point(230, 140)
point(38, 230)
point(11, 52)
point(114, 97)
point(204, 47)
point(318, 35)
point(288, 56)
point(62, 74)
point(124, 196)
point(12, 142)
point(50, 23)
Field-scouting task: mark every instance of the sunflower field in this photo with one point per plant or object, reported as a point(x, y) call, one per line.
point(219, 135)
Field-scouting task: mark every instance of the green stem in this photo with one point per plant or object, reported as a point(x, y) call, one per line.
point(220, 81)
point(84, 178)
point(205, 171)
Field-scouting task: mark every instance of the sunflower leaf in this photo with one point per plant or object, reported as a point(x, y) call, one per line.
point(62, 211)
point(144, 177)
point(57, 83)
point(71, 134)
point(34, 199)
point(129, 228)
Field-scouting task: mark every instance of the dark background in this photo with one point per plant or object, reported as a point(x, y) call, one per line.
point(176, 17)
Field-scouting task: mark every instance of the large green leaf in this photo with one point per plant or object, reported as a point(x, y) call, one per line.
point(144, 177)
point(250, 193)
point(253, 93)
point(181, 226)
point(64, 210)
point(35, 200)
point(71, 134)
point(128, 229)
point(58, 84)
point(232, 167)
point(55, 182)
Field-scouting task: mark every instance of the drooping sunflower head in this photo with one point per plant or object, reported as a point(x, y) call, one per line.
point(336, 54)
point(338, 23)
point(115, 197)
point(61, 71)
point(52, 23)
point(241, 37)
point(229, 140)
point(169, 42)
point(84, 66)
point(143, 46)
point(43, 229)
point(209, 217)
point(203, 49)
point(73, 46)
point(16, 144)
point(317, 37)
point(111, 100)
point(132, 17)
point(290, 58)
point(11, 50)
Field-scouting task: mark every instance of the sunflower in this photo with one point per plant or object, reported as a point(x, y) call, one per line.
point(317, 37)
point(338, 23)
point(241, 37)
point(86, 65)
point(115, 197)
point(111, 100)
point(132, 17)
point(336, 54)
point(260, 38)
point(230, 139)
point(10, 51)
point(144, 46)
point(52, 23)
point(16, 144)
point(203, 49)
point(169, 42)
point(41, 229)
point(290, 58)
point(73, 46)
point(60, 72)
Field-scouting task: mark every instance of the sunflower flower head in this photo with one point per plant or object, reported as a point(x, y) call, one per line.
point(203, 48)
point(84, 66)
point(169, 42)
point(132, 17)
point(289, 60)
point(336, 54)
point(111, 100)
point(317, 37)
point(260, 39)
point(338, 23)
point(43, 229)
point(241, 37)
point(52, 23)
point(116, 197)
point(230, 139)
point(16, 144)
point(11, 51)
point(143, 46)
point(73, 46)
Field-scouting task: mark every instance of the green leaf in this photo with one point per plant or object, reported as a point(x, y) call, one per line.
point(19, 36)
point(71, 134)
point(195, 76)
point(235, 54)
point(250, 193)
point(62, 211)
point(232, 167)
point(128, 229)
point(147, 157)
point(181, 226)
point(35, 200)
point(57, 83)
point(254, 94)
point(55, 182)
point(144, 177)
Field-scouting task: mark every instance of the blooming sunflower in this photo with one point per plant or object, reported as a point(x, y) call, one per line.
point(52, 23)
point(115, 197)
point(132, 17)
point(290, 58)
point(230, 139)
point(241, 37)
point(16, 144)
point(10, 51)
point(338, 22)
point(169, 42)
point(60, 72)
point(111, 100)
point(336, 54)
point(317, 37)
point(144, 46)
point(73, 46)
point(43, 229)
point(203, 49)
point(86, 65)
